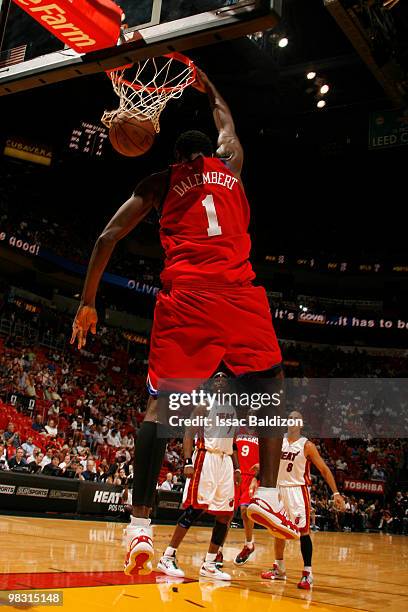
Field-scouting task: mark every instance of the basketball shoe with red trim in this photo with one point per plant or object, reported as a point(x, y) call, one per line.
point(276, 521)
point(244, 555)
point(219, 560)
point(306, 581)
point(274, 574)
point(210, 570)
point(140, 551)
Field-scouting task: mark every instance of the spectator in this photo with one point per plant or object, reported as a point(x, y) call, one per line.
point(38, 425)
point(54, 409)
point(51, 429)
point(11, 437)
point(79, 471)
point(52, 469)
point(341, 467)
point(128, 442)
point(34, 466)
point(113, 438)
point(90, 472)
point(167, 485)
point(18, 463)
point(77, 423)
point(3, 458)
point(28, 447)
point(47, 457)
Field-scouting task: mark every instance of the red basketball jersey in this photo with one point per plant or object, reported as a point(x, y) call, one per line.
point(248, 452)
point(204, 225)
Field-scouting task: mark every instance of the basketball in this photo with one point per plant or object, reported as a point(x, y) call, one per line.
point(131, 137)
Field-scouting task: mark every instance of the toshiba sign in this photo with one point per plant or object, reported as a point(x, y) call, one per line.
point(364, 486)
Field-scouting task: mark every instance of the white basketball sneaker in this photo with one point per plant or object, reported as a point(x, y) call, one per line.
point(210, 570)
point(140, 551)
point(169, 566)
point(277, 522)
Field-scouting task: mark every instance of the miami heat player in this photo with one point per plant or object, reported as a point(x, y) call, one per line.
point(208, 311)
point(294, 482)
point(211, 473)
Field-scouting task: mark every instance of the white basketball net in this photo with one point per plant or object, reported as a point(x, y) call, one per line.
point(145, 88)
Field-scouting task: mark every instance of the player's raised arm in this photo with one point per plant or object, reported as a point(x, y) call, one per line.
point(146, 195)
point(229, 145)
point(313, 455)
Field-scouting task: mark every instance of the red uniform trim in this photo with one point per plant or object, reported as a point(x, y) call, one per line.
point(306, 475)
point(191, 499)
point(306, 499)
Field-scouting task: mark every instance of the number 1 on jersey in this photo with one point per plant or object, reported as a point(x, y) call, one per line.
point(213, 228)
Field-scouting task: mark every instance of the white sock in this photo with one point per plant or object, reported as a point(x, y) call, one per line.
point(220, 549)
point(281, 564)
point(269, 494)
point(250, 544)
point(139, 522)
point(308, 568)
point(210, 557)
point(169, 552)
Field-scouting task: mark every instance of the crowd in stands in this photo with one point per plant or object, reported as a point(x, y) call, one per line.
point(77, 415)
point(361, 514)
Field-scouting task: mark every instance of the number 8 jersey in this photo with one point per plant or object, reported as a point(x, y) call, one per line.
point(294, 467)
point(204, 225)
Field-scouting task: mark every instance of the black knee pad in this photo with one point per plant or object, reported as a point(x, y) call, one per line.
point(189, 517)
point(218, 533)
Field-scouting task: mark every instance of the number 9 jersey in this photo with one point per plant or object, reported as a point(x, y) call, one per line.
point(204, 225)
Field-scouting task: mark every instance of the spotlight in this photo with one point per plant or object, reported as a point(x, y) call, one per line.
point(324, 89)
point(310, 76)
point(283, 42)
point(321, 104)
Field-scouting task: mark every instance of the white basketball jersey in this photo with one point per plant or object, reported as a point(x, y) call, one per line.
point(219, 437)
point(294, 467)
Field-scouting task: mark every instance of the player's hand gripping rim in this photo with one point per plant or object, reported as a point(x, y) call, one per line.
point(85, 320)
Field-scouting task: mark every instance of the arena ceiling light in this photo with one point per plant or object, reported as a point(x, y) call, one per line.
point(321, 104)
point(283, 42)
point(324, 89)
point(311, 75)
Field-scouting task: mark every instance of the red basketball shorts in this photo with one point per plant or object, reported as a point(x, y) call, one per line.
point(193, 331)
point(242, 496)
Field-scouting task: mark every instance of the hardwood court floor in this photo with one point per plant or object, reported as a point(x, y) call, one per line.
point(84, 560)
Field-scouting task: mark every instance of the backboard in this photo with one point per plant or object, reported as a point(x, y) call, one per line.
point(151, 28)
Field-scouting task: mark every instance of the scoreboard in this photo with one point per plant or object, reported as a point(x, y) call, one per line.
point(88, 138)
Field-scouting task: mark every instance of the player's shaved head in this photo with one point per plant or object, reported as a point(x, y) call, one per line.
point(192, 143)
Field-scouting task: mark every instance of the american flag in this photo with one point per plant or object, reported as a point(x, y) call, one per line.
point(12, 56)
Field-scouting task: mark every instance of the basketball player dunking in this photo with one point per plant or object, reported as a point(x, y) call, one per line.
point(294, 481)
point(208, 311)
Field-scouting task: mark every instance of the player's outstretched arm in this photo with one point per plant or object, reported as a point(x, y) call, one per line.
point(129, 215)
point(229, 145)
point(313, 454)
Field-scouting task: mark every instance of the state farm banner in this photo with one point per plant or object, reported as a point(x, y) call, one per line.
point(364, 486)
point(83, 25)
